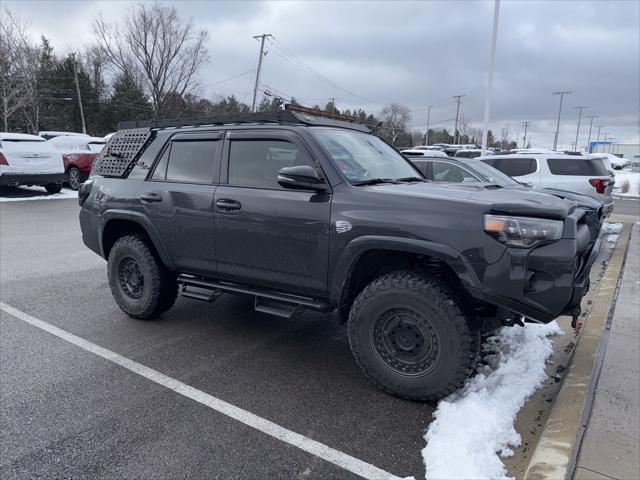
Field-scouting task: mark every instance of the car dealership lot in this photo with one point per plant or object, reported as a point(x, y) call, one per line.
point(67, 412)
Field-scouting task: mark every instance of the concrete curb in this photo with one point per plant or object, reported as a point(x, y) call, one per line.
point(557, 448)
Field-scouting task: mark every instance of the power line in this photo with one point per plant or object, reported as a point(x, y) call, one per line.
point(230, 78)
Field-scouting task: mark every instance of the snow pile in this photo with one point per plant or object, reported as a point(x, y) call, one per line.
point(611, 227)
point(627, 184)
point(612, 238)
point(27, 193)
point(475, 424)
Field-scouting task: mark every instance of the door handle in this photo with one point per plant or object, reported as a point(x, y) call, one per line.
point(227, 205)
point(151, 197)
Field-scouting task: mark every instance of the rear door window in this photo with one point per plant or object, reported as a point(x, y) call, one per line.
point(187, 161)
point(577, 166)
point(516, 167)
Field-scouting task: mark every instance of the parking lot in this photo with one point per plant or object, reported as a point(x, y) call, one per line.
point(67, 412)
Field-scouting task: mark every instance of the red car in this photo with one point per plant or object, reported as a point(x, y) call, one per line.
point(78, 153)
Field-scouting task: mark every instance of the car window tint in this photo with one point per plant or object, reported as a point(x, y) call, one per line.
point(191, 161)
point(448, 172)
point(420, 164)
point(255, 163)
point(516, 167)
point(491, 161)
point(577, 166)
point(160, 171)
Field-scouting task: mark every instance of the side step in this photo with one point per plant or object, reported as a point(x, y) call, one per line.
point(266, 301)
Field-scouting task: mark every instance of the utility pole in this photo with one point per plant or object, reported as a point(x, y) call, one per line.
point(579, 108)
point(524, 139)
point(611, 139)
point(426, 135)
point(492, 63)
point(75, 77)
point(455, 130)
point(590, 127)
point(255, 88)
point(599, 127)
point(555, 138)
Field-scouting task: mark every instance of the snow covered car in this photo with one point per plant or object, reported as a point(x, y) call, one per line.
point(616, 162)
point(78, 152)
point(30, 160)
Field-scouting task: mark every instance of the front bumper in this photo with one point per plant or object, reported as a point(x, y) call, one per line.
point(15, 179)
point(541, 283)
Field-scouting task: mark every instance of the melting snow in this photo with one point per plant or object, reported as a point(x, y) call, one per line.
point(37, 193)
point(473, 426)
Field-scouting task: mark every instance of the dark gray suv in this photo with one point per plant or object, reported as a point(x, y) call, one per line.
point(300, 211)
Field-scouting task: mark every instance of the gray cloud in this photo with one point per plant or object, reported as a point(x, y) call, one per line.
point(415, 53)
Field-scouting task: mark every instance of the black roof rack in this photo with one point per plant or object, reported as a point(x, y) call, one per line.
point(292, 114)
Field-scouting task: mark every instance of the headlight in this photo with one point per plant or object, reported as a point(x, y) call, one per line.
point(522, 231)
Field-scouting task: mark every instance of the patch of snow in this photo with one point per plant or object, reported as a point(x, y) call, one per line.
point(611, 227)
point(474, 425)
point(627, 180)
point(38, 193)
point(612, 238)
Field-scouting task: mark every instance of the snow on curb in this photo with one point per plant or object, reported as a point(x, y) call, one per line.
point(628, 180)
point(64, 194)
point(475, 424)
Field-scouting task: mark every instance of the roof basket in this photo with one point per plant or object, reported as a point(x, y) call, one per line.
point(292, 114)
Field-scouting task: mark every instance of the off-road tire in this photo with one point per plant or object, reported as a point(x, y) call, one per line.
point(448, 322)
point(53, 188)
point(158, 289)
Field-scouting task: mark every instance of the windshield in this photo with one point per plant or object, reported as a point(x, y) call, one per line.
point(490, 174)
point(363, 157)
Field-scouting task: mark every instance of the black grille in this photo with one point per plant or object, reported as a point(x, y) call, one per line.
point(116, 159)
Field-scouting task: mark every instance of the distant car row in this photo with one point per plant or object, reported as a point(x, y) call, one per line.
point(586, 175)
point(48, 159)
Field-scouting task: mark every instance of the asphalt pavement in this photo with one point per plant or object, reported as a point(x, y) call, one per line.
point(67, 412)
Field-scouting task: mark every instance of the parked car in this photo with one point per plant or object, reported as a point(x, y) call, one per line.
point(428, 147)
point(452, 170)
point(48, 135)
point(30, 160)
point(572, 173)
point(470, 153)
point(301, 211)
point(421, 153)
point(616, 162)
point(78, 152)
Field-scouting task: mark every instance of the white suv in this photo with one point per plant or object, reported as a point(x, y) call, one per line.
point(572, 173)
point(30, 160)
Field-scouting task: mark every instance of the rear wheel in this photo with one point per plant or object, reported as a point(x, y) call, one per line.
point(141, 286)
point(53, 188)
point(413, 336)
point(73, 176)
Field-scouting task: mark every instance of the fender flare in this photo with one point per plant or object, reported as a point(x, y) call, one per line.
point(147, 226)
point(358, 246)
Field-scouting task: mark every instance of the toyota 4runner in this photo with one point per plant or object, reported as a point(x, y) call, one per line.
point(301, 211)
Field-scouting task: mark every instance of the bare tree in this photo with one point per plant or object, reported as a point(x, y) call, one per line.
point(154, 46)
point(18, 69)
point(394, 118)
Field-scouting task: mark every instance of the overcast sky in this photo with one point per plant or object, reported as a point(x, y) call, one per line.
point(414, 53)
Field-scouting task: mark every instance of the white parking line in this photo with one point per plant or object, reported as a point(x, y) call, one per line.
point(318, 449)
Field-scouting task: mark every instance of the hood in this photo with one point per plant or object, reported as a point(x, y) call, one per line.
point(496, 199)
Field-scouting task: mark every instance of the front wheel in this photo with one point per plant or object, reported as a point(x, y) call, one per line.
point(413, 336)
point(53, 188)
point(73, 176)
point(141, 286)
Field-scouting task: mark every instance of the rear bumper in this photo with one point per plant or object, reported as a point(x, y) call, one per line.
point(608, 208)
point(15, 179)
point(542, 283)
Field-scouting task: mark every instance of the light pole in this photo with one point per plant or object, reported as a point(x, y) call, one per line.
point(579, 108)
point(611, 144)
point(590, 127)
point(426, 135)
point(492, 62)
point(524, 139)
point(555, 139)
point(455, 131)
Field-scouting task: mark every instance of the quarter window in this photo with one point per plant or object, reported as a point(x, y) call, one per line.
point(577, 166)
point(255, 163)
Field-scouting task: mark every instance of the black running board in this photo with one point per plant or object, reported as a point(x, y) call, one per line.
point(209, 290)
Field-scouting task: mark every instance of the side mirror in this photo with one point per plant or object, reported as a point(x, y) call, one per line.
point(302, 177)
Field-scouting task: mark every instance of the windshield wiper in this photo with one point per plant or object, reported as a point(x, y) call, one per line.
point(412, 179)
point(374, 181)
